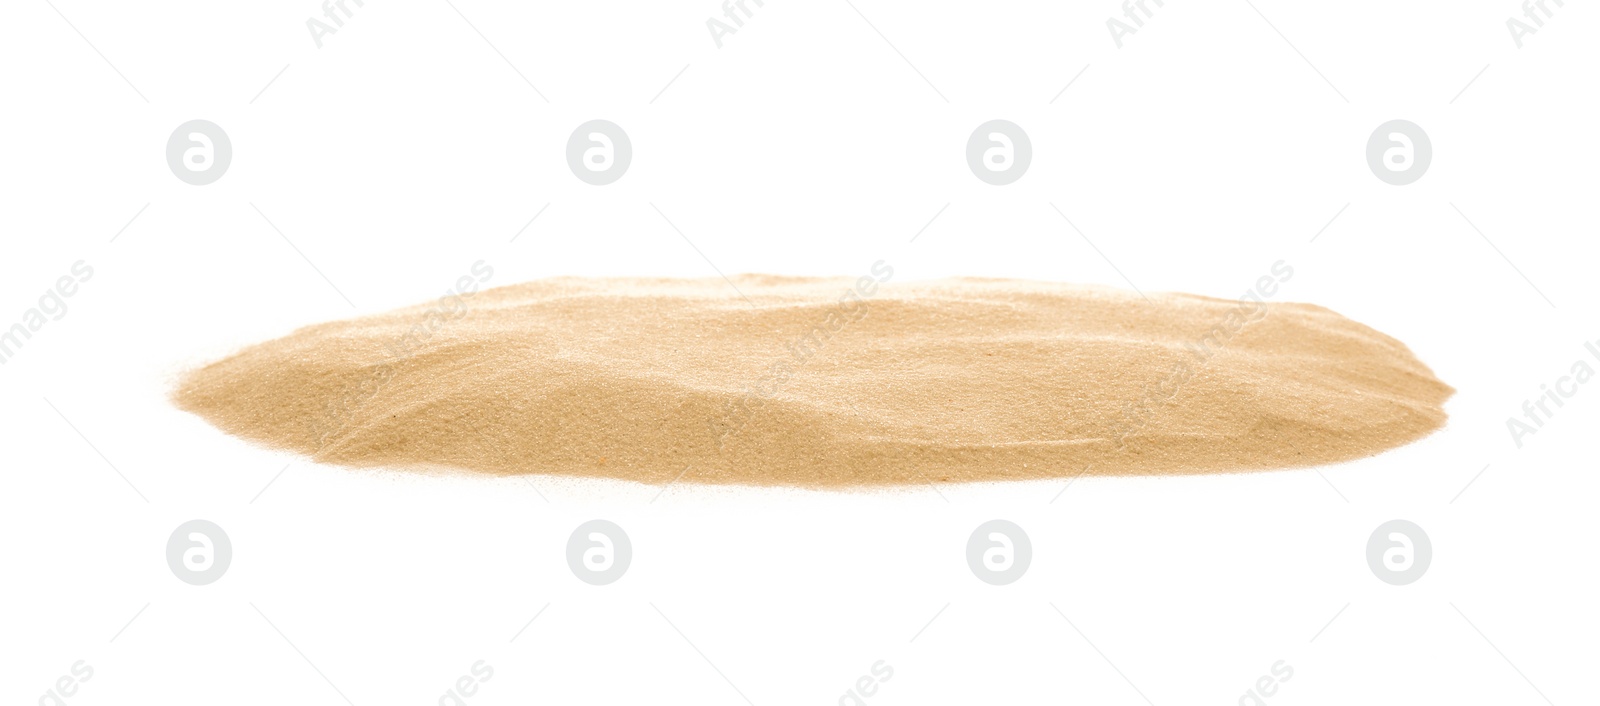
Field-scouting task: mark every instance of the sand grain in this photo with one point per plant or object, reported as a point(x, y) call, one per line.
point(944, 381)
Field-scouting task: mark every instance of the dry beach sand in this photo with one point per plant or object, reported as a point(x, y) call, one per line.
point(827, 382)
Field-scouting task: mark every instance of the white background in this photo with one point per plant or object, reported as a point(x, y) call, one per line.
point(410, 146)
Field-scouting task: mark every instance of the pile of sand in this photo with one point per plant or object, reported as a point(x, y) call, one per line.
point(826, 382)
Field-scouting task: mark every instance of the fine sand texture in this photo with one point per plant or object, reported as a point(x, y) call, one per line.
point(826, 382)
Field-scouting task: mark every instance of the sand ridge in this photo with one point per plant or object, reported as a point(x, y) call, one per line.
point(826, 382)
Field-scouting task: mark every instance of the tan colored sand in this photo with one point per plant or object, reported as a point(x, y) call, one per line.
point(803, 384)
